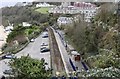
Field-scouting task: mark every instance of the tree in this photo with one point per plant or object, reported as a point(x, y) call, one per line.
point(28, 68)
point(18, 14)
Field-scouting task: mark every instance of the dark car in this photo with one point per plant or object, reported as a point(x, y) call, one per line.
point(45, 50)
point(9, 72)
point(8, 56)
point(42, 48)
point(45, 36)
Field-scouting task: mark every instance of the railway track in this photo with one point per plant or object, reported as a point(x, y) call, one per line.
point(56, 60)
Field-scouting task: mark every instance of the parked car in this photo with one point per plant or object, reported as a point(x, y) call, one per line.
point(8, 56)
point(9, 72)
point(43, 44)
point(45, 50)
point(45, 35)
point(42, 48)
point(32, 40)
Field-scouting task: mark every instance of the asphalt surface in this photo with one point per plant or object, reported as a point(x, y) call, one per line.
point(33, 49)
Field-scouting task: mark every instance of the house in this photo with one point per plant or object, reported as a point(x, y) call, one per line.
point(25, 24)
point(64, 20)
point(87, 9)
point(44, 5)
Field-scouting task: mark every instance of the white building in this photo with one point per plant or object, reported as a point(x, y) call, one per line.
point(25, 24)
point(87, 9)
point(44, 5)
point(64, 20)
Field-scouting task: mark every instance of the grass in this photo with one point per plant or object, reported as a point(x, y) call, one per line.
point(43, 10)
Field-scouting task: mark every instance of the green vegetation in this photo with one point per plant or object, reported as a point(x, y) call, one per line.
point(28, 68)
point(98, 42)
point(20, 37)
point(43, 10)
point(33, 31)
point(100, 73)
point(17, 15)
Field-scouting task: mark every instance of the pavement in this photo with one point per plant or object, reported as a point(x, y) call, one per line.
point(3, 37)
point(33, 49)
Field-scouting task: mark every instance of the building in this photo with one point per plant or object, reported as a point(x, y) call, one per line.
point(25, 24)
point(64, 20)
point(44, 5)
point(88, 10)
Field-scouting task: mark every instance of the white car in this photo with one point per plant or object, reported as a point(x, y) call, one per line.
point(32, 40)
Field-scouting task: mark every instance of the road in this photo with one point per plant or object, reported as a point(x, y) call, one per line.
point(33, 49)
